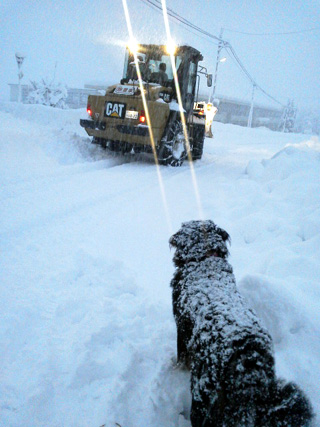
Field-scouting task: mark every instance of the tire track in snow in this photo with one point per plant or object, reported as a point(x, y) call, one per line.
point(68, 204)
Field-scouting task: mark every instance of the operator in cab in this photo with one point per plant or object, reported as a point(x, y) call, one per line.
point(161, 76)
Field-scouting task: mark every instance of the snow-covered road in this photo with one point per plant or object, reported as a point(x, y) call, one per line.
point(87, 335)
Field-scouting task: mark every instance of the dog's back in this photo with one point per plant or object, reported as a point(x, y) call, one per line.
point(215, 330)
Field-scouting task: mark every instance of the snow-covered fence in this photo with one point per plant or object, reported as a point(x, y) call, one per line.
point(221, 340)
point(76, 98)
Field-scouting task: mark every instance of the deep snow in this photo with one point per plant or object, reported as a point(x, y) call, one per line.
point(87, 334)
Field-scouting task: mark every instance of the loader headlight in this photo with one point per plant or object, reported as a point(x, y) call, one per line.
point(133, 46)
point(171, 47)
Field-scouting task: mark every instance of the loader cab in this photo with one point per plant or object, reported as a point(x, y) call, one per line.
point(156, 69)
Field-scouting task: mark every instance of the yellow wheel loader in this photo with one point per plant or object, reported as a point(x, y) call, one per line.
point(118, 120)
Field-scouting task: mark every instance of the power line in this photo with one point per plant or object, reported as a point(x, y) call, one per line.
point(174, 15)
point(156, 4)
point(254, 83)
point(273, 34)
point(148, 3)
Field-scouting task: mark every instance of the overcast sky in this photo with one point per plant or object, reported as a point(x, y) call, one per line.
point(86, 40)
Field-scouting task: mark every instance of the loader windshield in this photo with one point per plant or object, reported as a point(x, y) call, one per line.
point(155, 67)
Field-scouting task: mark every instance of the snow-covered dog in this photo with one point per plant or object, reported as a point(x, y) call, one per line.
point(221, 340)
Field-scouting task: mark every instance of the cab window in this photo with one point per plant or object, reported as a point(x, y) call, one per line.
point(192, 77)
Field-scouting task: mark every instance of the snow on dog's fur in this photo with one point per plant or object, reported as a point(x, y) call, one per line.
point(221, 341)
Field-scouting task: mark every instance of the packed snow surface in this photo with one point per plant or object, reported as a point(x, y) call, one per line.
point(87, 334)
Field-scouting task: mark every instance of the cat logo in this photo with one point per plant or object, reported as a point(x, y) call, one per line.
point(115, 110)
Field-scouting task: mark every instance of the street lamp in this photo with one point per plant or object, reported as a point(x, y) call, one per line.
point(211, 98)
point(220, 47)
point(20, 58)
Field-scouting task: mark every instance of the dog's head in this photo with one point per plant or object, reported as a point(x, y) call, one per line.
point(197, 240)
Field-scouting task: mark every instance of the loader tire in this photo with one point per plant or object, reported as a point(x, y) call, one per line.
point(173, 150)
point(99, 141)
point(198, 142)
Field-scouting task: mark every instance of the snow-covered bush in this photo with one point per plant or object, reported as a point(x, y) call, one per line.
point(48, 93)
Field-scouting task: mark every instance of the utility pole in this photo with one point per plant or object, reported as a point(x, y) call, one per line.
point(220, 46)
point(19, 57)
point(249, 125)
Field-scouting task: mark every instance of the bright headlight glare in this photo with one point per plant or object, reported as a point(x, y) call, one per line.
point(171, 47)
point(133, 46)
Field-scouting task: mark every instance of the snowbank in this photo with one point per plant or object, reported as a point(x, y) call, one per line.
point(87, 332)
point(43, 115)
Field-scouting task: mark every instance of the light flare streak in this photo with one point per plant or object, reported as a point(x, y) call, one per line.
point(183, 120)
point(146, 109)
